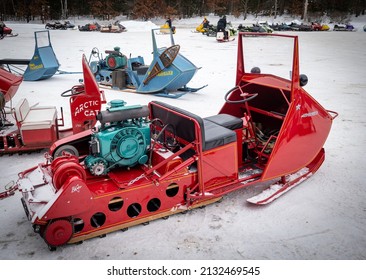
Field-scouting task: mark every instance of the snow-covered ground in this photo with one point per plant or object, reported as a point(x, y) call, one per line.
point(322, 218)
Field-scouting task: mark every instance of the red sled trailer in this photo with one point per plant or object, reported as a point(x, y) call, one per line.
point(26, 128)
point(151, 161)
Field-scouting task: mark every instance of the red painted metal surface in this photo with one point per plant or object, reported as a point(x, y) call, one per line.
point(86, 102)
point(9, 84)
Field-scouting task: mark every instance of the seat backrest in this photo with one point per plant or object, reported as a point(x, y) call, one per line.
point(184, 122)
point(21, 110)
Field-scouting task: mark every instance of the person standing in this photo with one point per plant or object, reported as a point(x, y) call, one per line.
point(205, 22)
point(221, 26)
point(2, 25)
point(169, 22)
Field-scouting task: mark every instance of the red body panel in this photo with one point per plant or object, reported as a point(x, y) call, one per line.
point(39, 137)
point(7, 30)
point(9, 84)
point(85, 106)
point(305, 129)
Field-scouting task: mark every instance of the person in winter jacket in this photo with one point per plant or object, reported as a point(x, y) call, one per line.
point(2, 25)
point(205, 22)
point(221, 26)
point(169, 22)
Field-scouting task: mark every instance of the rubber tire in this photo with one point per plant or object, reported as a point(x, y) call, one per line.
point(65, 148)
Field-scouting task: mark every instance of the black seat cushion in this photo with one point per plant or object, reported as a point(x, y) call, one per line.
point(217, 135)
point(226, 120)
point(142, 70)
point(213, 135)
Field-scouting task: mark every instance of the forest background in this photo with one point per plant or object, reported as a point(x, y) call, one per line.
point(46, 10)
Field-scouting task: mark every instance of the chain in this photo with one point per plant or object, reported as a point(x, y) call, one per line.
point(136, 179)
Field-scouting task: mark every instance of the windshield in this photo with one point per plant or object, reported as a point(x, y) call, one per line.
point(271, 54)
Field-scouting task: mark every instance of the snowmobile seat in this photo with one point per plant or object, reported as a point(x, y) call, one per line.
point(226, 120)
point(36, 117)
point(36, 124)
point(233, 123)
point(141, 70)
point(216, 135)
point(185, 123)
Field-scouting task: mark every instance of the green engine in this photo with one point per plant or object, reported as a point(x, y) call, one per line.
point(123, 139)
point(115, 59)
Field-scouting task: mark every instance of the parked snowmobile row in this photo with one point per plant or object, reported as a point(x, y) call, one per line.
point(115, 27)
point(264, 27)
point(57, 25)
point(146, 162)
point(167, 75)
point(210, 30)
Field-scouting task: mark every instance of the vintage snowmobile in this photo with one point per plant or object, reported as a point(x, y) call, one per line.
point(280, 27)
point(90, 27)
point(299, 26)
point(113, 28)
point(315, 26)
point(151, 161)
point(59, 25)
point(228, 35)
point(210, 31)
point(258, 27)
point(43, 64)
point(343, 27)
point(166, 76)
point(26, 128)
point(203, 26)
point(8, 32)
point(165, 29)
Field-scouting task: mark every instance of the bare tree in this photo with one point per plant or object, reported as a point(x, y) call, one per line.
point(275, 8)
point(244, 4)
point(305, 14)
point(64, 11)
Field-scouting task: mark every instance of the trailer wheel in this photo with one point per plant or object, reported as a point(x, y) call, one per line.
point(58, 232)
point(67, 149)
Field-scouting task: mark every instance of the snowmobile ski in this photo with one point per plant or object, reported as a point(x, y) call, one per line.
point(9, 35)
point(288, 182)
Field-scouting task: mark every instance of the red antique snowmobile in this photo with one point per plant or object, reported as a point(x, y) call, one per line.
point(8, 32)
point(27, 128)
point(149, 162)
